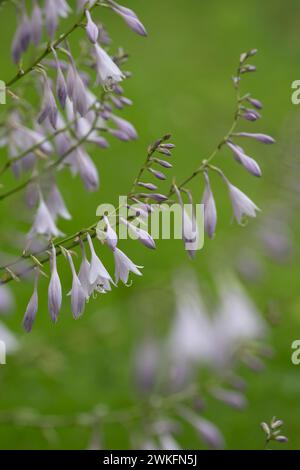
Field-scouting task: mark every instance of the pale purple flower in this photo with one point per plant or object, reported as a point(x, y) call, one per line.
point(231, 398)
point(61, 86)
point(210, 210)
point(207, 430)
point(77, 292)
point(125, 126)
point(111, 238)
point(158, 174)
point(53, 10)
point(91, 28)
point(108, 72)
point(143, 236)
point(79, 96)
point(84, 272)
point(256, 103)
point(248, 163)
point(263, 138)
point(123, 266)
point(98, 272)
point(130, 18)
point(241, 203)
point(44, 223)
point(22, 37)
point(54, 290)
point(36, 24)
point(32, 307)
point(49, 108)
point(56, 204)
point(87, 170)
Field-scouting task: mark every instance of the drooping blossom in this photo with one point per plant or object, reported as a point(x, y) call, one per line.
point(77, 293)
point(43, 222)
point(36, 24)
point(49, 109)
point(263, 138)
point(22, 36)
point(248, 163)
point(98, 272)
point(241, 203)
point(91, 28)
point(142, 235)
point(32, 306)
point(56, 204)
point(125, 126)
point(108, 72)
point(54, 290)
point(130, 17)
point(123, 266)
point(210, 210)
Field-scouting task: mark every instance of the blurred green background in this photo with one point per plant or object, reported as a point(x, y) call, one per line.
point(181, 84)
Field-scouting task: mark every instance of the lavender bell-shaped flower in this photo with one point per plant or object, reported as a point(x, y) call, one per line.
point(44, 223)
point(123, 266)
point(54, 290)
point(77, 292)
point(56, 204)
point(61, 86)
point(111, 238)
point(32, 307)
point(130, 18)
point(79, 96)
point(98, 273)
point(36, 24)
point(22, 37)
point(108, 72)
point(248, 163)
point(143, 236)
point(207, 430)
point(210, 210)
point(84, 272)
point(87, 170)
point(91, 28)
point(49, 108)
point(125, 127)
point(241, 203)
point(263, 138)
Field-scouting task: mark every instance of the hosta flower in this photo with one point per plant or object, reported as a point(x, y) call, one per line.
point(263, 138)
point(242, 158)
point(125, 127)
point(61, 86)
point(111, 238)
point(123, 266)
point(91, 28)
point(54, 290)
point(44, 223)
point(143, 236)
point(241, 203)
point(56, 204)
point(210, 210)
point(84, 272)
point(49, 108)
point(22, 37)
point(207, 430)
point(32, 307)
point(77, 292)
point(87, 170)
point(130, 18)
point(97, 273)
point(36, 24)
point(107, 71)
point(53, 10)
